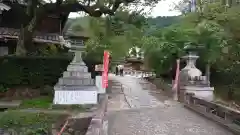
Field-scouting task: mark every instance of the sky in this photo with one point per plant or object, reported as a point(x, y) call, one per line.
point(163, 8)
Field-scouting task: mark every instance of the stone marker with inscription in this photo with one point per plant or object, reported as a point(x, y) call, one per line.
point(99, 85)
point(76, 86)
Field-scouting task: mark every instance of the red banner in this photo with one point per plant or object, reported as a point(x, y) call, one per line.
point(105, 69)
point(175, 85)
point(177, 75)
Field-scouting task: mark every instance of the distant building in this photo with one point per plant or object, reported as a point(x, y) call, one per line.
point(228, 3)
point(193, 6)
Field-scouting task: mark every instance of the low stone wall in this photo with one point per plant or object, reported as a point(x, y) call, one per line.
point(138, 73)
point(96, 126)
point(225, 116)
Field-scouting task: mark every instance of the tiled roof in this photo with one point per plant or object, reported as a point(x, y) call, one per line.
point(38, 37)
point(77, 34)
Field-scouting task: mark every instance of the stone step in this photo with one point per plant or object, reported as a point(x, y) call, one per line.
point(9, 104)
point(76, 74)
point(75, 87)
point(77, 68)
point(76, 81)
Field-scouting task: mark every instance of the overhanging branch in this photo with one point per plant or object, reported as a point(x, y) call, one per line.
point(95, 10)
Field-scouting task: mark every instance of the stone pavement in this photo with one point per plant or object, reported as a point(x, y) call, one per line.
point(141, 110)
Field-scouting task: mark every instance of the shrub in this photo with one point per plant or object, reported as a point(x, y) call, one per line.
point(31, 71)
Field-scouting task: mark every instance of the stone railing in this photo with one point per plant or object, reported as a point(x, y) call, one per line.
point(97, 125)
point(138, 73)
point(223, 115)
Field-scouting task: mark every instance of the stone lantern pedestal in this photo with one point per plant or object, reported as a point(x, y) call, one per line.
point(76, 86)
point(192, 81)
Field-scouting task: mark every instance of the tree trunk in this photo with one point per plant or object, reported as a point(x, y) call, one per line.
point(230, 94)
point(207, 72)
point(25, 41)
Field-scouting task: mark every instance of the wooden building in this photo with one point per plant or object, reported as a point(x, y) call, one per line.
point(134, 63)
point(10, 23)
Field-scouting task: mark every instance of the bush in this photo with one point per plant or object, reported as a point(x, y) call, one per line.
point(31, 71)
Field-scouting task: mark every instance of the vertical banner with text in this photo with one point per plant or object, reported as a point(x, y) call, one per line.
point(175, 85)
point(105, 69)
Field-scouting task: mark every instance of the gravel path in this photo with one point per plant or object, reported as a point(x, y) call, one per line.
point(134, 93)
point(147, 115)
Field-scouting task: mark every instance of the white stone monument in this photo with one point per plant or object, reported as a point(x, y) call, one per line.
point(98, 79)
point(99, 85)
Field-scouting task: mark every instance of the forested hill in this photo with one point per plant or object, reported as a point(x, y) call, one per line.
point(160, 21)
point(153, 23)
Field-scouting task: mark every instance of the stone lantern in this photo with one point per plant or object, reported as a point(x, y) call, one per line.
point(76, 86)
point(191, 79)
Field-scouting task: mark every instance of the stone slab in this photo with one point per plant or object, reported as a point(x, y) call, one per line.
point(77, 68)
point(98, 82)
point(76, 74)
point(74, 88)
point(79, 97)
point(76, 81)
point(193, 88)
point(9, 104)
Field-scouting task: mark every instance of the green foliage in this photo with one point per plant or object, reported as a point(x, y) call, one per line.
point(27, 123)
point(3, 89)
point(117, 34)
point(160, 22)
point(215, 28)
point(48, 50)
point(40, 102)
point(31, 71)
point(192, 30)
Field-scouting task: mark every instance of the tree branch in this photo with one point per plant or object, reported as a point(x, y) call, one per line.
point(95, 10)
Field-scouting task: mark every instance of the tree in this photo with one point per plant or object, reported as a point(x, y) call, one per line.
point(37, 9)
point(167, 44)
point(214, 27)
point(117, 34)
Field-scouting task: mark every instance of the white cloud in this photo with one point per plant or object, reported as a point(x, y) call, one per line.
point(165, 8)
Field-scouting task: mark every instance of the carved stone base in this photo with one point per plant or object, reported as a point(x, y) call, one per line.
point(76, 74)
point(75, 81)
point(76, 97)
point(77, 67)
point(205, 93)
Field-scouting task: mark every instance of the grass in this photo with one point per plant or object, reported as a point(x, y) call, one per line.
point(39, 102)
point(45, 102)
point(25, 123)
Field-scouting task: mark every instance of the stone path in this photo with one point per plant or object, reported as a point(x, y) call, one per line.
point(141, 110)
